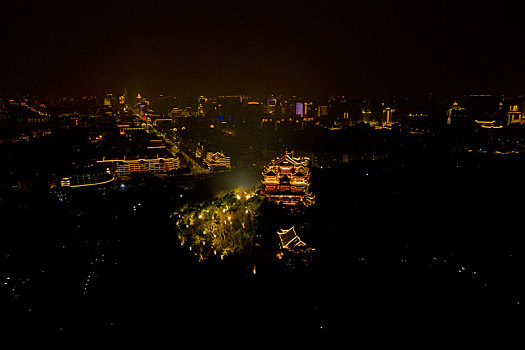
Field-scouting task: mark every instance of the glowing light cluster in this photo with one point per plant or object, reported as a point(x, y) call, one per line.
point(286, 181)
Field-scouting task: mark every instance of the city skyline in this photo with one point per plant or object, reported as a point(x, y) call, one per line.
point(261, 48)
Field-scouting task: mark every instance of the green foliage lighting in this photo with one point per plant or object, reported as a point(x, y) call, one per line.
point(223, 226)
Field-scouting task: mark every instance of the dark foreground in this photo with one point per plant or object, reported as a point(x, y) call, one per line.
point(424, 250)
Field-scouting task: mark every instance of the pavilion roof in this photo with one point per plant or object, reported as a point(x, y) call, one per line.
point(288, 159)
point(301, 171)
point(269, 172)
point(290, 239)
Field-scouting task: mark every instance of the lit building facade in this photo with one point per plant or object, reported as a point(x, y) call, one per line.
point(454, 112)
point(89, 176)
point(155, 165)
point(217, 160)
point(322, 111)
point(286, 181)
point(272, 105)
point(388, 116)
point(514, 115)
point(299, 110)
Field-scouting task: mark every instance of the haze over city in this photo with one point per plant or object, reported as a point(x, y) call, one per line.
point(313, 48)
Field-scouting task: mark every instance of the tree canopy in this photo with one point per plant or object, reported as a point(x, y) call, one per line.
point(223, 226)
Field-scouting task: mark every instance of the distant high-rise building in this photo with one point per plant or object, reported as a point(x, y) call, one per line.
point(338, 106)
point(454, 112)
point(299, 109)
point(514, 115)
point(366, 115)
point(230, 100)
point(388, 116)
point(322, 111)
point(107, 99)
point(272, 103)
point(308, 109)
point(140, 106)
point(123, 99)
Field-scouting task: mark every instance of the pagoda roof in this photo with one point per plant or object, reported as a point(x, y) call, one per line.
point(288, 159)
point(301, 171)
point(269, 172)
point(290, 239)
point(216, 155)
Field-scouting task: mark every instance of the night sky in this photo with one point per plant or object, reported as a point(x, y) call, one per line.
point(307, 48)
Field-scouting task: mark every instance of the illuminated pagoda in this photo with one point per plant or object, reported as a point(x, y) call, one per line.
point(286, 181)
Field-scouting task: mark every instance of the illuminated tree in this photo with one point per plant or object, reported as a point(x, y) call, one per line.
point(220, 227)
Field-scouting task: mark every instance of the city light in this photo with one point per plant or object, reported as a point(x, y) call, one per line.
point(313, 169)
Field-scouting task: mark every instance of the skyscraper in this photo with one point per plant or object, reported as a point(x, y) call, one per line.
point(123, 99)
point(513, 114)
point(299, 109)
point(388, 116)
point(308, 109)
point(272, 102)
point(322, 111)
point(454, 112)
